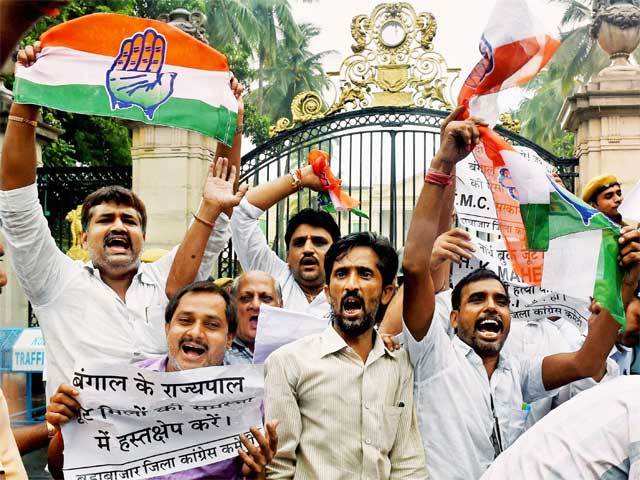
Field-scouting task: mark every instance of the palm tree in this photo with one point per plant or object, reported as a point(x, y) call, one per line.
point(577, 60)
point(295, 69)
point(232, 22)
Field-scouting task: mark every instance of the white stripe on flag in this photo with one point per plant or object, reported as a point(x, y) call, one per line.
point(571, 264)
point(510, 21)
point(529, 178)
point(65, 66)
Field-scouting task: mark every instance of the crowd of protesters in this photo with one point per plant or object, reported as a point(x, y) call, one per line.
point(413, 381)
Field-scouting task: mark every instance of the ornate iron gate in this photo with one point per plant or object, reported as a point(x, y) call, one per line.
point(380, 154)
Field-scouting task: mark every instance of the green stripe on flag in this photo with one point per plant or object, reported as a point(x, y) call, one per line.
point(564, 219)
point(608, 285)
point(217, 122)
point(535, 217)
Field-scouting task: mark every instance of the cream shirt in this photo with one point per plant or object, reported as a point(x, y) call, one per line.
point(10, 461)
point(340, 418)
point(80, 316)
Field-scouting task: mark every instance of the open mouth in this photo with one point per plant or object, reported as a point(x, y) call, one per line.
point(352, 306)
point(253, 320)
point(117, 243)
point(308, 262)
point(490, 327)
point(192, 350)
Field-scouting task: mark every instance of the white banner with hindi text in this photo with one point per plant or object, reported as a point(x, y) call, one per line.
point(137, 423)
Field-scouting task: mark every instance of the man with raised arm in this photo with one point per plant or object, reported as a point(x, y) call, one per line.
point(309, 235)
point(111, 307)
point(470, 398)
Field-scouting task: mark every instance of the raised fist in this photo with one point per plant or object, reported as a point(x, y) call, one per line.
point(135, 77)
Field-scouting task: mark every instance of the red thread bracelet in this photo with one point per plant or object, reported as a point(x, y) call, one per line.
point(438, 178)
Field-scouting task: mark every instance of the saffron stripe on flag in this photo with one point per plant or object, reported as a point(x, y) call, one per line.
point(59, 66)
point(102, 34)
point(218, 122)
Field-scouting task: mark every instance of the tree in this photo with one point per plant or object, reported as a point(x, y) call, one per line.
point(577, 60)
point(295, 69)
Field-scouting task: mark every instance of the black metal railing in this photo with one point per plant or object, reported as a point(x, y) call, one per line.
point(380, 154)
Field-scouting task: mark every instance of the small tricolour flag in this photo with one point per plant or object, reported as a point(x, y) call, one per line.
point(555, 240)
point(133, 68)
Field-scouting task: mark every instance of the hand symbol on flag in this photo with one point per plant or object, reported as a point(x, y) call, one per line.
point(134, 77)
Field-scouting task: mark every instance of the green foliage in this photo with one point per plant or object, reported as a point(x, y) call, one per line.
point(256, 125)
point(563, 146)
point(577, 60)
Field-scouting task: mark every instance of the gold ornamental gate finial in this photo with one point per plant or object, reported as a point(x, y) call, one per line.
point(393, 64)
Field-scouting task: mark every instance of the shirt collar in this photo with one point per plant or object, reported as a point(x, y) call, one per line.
point(503, 360)
point(332, 342)
point(240, 344)
point(141, 274)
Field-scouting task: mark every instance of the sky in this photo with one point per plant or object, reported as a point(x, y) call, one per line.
point(460, 24)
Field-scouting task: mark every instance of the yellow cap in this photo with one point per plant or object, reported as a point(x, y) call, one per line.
point(597, 184)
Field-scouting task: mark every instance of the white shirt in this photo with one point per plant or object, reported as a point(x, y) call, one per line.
point(80, 316)
point(254, 253)
point(623, 356)
point(540, 338)
point(342, 418)
point(594, 436)
point(454, 397)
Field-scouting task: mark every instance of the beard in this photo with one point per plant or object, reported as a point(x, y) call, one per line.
point(353, 328)
point(357, 326)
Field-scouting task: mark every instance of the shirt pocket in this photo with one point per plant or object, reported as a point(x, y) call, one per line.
point(151, 331)
point(390, 422)
point(515, 426)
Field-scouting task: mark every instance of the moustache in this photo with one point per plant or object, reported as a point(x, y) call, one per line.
point(308, 260)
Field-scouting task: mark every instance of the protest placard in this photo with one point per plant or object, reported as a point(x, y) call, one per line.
point(136, 423)
point(527, 302)
point(474, 204)
point(278, 326)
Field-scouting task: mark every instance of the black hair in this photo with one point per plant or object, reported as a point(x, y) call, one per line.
point(208, 287)
point(118, 195)
point(315, 218)
point(387, 256)
point(475, 276)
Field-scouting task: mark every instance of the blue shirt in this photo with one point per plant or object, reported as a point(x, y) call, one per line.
point(239, 353)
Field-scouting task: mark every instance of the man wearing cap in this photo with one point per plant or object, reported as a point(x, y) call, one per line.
point(604, 193)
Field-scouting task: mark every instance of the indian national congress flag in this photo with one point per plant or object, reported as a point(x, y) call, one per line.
point(133, 68)
point(555, 240)
point(580, 244)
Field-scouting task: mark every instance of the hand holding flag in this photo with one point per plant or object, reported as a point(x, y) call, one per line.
point(332, 198)
point(554, 239)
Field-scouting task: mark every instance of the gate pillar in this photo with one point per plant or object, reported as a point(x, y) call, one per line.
point(605, 113)
point(169, 168)
point(169, 165)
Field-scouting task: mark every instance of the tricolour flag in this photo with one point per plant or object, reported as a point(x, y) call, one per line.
point(555, 240)
point(133, 68)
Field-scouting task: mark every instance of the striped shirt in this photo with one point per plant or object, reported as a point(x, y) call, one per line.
point(596, 435)
point(342, 418)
